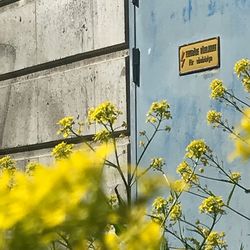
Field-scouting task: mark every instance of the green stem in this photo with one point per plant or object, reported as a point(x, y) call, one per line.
point(234, 105)
point(236, 98)
point(218, 166)
point(210, 230)
point(177, 237)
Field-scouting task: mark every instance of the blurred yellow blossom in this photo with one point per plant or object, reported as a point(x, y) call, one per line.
point(32, 166)
point(242, 143)
point(179, 186)
point(58, 198)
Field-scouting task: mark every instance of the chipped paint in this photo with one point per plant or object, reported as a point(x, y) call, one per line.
point(187, 11)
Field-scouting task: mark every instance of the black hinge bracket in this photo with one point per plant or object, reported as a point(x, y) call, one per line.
point(136, 3)
point(136, 66)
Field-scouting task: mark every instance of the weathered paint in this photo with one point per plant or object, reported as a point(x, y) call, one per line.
point(162, 26)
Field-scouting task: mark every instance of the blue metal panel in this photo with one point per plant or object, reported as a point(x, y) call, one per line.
point(164, 25)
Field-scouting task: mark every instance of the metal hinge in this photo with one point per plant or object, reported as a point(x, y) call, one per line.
point(136, 3)
point(136, 66)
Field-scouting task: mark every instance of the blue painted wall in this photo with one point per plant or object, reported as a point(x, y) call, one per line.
point(164, 25)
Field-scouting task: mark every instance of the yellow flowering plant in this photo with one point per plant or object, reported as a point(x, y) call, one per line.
point(70, 209)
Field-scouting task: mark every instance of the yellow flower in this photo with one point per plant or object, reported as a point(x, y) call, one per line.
point(102, 136)
point(31, 167)
point(214, 240)
point(179, 186)
point(106, 113)
point(160, 205)
point(65, 126)
point(6, 163)
point(241, 67)
point(235, 176)
point(175, 213)
point(151, 119)
point(246, 83)
point(196, 149)
point(158, 111)
point(112, 241)
point(217, 89)
point(157, 163)
point(242, 145)
point(142, 235)
point(212, 205)
point(62, 150)
point(214, 118)
point(186, 172)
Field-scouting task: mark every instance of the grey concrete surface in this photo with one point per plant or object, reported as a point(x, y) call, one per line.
point(32, 105)
point(111, 177)
point(40, 31)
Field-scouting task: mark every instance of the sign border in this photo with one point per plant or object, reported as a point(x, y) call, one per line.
point(204, 69)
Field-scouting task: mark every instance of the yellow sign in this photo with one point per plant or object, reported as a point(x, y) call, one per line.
point(199, 56)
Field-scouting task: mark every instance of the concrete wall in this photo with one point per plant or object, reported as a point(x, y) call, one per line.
point(58, 58)
point(163, 26)
point(35, 32)
point(32, 105)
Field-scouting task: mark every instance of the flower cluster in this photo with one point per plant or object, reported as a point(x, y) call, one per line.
point(113, 201)
point(235, 176)
point(214, 118)
point(158, 111)
point(160, 205)
point(186, 172)
point(214, 240)
point(212, 205)
point(62, 151)
point(196, 149)
point(242, 69)
point(179, 186)
point(175, 213)
point(102, 136)
point(157, 163)
point(105, 114)
point(246, 83)
point(65, 126)
point(218, 90)
point(242, 148)
point(7, 164)
point(31, 167)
